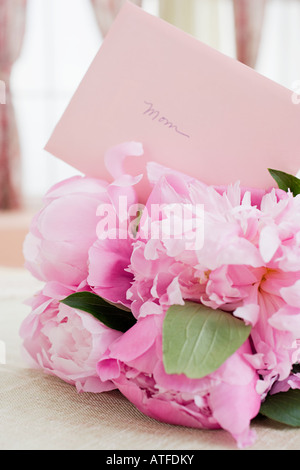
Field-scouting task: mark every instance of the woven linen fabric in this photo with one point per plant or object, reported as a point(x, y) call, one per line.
point(41, 412)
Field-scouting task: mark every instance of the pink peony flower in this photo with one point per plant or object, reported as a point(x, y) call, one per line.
point(229, 248)
point(224, 399)
point(65, 342)
point(110, 253)
point(62, 232)
point(61, 340)
point(247, 262)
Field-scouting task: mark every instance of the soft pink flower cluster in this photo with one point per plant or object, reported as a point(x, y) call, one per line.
point(245, 262)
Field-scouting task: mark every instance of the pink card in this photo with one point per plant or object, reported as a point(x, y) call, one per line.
point(193, 109)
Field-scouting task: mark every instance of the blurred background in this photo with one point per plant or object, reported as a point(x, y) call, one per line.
point(46, 46)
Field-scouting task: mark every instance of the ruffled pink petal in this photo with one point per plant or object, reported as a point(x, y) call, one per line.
point(228, 404)
point(77, 185)
point(287, 319)
point(108, 263)
point(115, 157)
point(142, 335)
point(291, 294)
point(269, 242)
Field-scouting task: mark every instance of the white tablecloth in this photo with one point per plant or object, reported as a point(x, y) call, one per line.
point(39, 412)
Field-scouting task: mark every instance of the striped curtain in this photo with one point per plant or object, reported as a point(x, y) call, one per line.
point(106, 11)
point(12, 27)
point(199, 18)
point(249, 19)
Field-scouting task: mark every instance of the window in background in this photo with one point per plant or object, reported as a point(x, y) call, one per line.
point(279, 55)
point(62, 38)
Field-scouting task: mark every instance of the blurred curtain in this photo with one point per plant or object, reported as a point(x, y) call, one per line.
point(12, 27)
point(106, 11)
point(200, 18)
point(180, 14)
point(249, 19)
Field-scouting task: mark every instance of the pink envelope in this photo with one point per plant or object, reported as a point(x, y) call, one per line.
point(193, 109)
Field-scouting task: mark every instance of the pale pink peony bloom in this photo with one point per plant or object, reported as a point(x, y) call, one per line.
point(224, 399)
point(248, 264)
point(65, 342)
point(62, 232)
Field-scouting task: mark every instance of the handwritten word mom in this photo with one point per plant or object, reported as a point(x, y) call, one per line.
point(156, 115)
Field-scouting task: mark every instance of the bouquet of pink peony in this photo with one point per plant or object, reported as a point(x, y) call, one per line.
point(188, 304)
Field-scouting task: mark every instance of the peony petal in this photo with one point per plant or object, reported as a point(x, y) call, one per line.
point(249, 313)
point(114, 157)
point(108, 263)
point(269, 242)
point(291, 294)
point(142, 335)
point(287, 319)
point(228, 404)
point(108, 369)
point(75, 185)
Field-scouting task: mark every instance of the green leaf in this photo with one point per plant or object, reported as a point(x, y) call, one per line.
point(197, 339)
point(283, 407)
point(286, 181)
point(113, 316)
